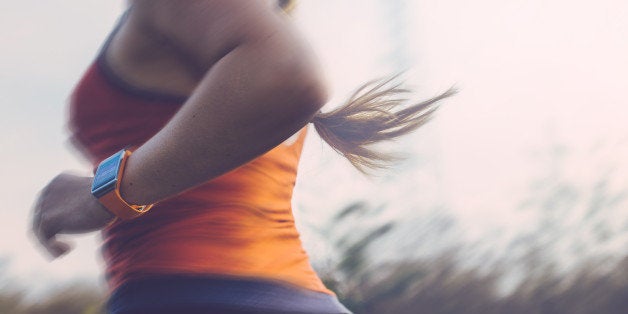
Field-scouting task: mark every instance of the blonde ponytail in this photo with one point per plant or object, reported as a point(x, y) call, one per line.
point(374, 113)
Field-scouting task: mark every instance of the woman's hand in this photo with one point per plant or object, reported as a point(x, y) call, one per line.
point(66, 206)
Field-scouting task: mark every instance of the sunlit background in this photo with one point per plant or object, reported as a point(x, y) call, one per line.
point(524, 171)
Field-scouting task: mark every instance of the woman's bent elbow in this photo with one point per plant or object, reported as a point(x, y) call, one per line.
point(306, 87)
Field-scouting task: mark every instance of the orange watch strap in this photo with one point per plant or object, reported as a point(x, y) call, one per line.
point(114, 202)
point(116, 205)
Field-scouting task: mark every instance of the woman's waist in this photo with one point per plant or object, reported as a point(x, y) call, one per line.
point(259, 253)
point(205, 217)
point(209, 220)
point(226, 240)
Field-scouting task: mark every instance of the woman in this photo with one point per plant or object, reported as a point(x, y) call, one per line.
point(213, 97)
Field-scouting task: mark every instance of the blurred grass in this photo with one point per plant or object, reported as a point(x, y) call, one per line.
point(441, 286)
point(447, 284)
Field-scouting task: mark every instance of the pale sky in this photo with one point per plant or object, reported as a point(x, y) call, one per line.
point(531, 74)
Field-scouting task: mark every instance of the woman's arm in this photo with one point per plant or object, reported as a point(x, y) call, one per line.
point(261, 85)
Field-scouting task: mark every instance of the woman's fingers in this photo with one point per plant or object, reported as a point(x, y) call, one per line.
point(56, 248)
point(47, 236)
point(49, 241)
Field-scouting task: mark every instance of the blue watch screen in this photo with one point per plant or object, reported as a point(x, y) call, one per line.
point(107, 174)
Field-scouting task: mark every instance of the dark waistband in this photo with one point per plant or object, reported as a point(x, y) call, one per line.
point(161, 293)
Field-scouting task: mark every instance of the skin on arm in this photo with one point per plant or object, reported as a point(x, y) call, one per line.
point(259, 84)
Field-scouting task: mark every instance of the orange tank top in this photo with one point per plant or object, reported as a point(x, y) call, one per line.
point(239, 224)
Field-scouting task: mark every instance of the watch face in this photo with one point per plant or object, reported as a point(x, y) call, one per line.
point(106, 175)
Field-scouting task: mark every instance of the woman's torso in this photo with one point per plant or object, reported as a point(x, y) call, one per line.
point(239, 225)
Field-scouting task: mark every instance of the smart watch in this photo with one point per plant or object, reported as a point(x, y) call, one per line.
point(106, 187)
